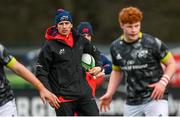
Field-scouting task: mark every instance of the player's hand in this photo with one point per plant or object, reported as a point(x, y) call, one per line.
point(46, 95)
point(95, 70)
point(100, 74)
point(105, 101)
point(158, 91)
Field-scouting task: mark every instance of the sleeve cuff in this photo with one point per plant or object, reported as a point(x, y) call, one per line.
point(166, 57)
point(11, 63)
point(116, 68)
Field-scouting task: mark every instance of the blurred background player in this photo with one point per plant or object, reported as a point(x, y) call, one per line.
point(137, 57)
point(59, 67)
point(85, 30)
point(7, 101)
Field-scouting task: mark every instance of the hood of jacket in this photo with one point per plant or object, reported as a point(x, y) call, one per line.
point(52, 34)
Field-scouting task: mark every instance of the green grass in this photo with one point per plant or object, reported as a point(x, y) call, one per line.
point(17, 82)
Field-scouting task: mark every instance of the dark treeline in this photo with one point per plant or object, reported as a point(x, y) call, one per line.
point(23, 22)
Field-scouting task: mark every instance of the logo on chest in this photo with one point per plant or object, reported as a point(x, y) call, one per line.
point(62, 51)
point(118, 56)
point(142, 54)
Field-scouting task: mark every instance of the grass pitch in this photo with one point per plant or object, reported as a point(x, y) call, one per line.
point(17, 82)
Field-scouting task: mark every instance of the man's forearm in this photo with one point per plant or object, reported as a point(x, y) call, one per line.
point(20, 70)
point(115, 79)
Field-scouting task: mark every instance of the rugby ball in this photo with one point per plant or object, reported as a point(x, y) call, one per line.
point(87, 61)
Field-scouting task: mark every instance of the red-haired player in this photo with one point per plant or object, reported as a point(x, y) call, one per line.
point(137, 57)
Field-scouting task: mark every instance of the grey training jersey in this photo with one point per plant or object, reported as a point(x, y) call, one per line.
point(140, 64)
point(6, 93)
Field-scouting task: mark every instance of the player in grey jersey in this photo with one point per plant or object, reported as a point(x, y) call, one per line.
point(138, 57)
point(7, 101)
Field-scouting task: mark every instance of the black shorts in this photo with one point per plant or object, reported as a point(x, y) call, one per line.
point(85, 106)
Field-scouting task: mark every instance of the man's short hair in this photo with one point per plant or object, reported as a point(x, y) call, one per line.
point(130, 15)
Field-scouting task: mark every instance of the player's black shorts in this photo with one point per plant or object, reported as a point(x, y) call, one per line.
point(85, 106)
